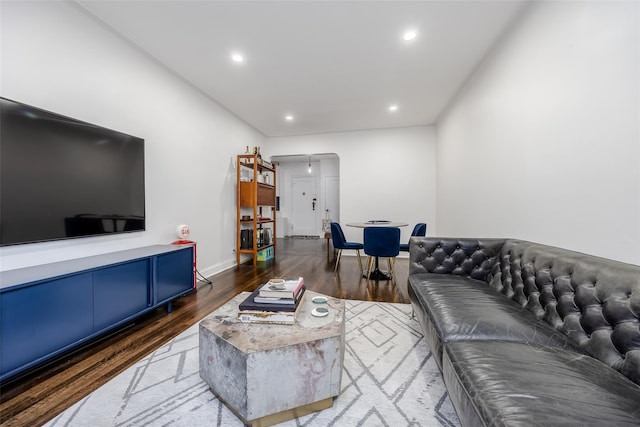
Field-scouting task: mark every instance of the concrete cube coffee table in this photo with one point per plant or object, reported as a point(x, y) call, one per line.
point(267, 374)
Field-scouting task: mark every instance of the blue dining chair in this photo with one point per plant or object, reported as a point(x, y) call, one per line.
point(419, 230)
point(382, 242)
point(340, 243)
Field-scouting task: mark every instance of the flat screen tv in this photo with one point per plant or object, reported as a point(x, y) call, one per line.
point(63, 178)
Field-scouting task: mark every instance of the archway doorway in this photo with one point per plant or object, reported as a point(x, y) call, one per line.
point(318, 177)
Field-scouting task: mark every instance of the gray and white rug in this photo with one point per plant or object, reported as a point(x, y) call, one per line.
point(389, 379)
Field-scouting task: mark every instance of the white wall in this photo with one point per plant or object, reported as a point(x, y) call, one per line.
point(56, 57)
point(384, 174)
point(544, 143)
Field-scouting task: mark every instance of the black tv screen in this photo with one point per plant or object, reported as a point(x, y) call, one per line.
point(63, 178)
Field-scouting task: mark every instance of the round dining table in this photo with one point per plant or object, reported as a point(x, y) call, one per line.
point(377, 274)
point(377, 223)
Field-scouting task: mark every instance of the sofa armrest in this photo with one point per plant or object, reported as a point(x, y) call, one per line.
point(448, 255)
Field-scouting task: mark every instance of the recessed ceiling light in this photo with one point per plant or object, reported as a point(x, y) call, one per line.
point(393, 108)
point(236, 57)
point(288, 117)
point(409, 35)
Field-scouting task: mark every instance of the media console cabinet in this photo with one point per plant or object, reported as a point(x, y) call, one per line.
point(49, 309)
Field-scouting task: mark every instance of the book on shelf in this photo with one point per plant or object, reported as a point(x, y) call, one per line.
point(271, 317)
point(250, 303)
point(282, 288)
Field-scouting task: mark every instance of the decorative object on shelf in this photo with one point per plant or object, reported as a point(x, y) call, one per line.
point(183, 231)
point(267, 236)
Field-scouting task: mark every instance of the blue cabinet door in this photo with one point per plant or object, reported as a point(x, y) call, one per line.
point(120, 292)
point(174, 274)
point(41, 320)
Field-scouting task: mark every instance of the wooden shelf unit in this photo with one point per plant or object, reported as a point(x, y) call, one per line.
point(257, 201)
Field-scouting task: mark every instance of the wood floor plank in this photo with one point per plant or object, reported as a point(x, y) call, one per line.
point(40, 395)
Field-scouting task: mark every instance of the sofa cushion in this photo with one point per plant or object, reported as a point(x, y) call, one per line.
point(456, 308)
point(514, 384)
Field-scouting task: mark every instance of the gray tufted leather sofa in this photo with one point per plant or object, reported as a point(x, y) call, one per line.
point(527, 334)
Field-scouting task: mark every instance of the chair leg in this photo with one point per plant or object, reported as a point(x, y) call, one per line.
point(359, 261)
point(392, 270)
point(369, 266)
point(337, 260)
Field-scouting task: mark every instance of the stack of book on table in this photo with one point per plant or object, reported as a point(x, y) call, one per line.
point(277, 301)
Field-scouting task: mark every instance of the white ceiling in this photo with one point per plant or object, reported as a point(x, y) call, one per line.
point(333, 65)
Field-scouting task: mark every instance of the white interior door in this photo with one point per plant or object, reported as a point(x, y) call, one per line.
point(303, 212)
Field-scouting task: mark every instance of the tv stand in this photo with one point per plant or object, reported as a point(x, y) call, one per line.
point(49, 309)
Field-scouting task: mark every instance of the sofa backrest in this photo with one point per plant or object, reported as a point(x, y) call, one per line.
point(595, 301)
point(473, 258)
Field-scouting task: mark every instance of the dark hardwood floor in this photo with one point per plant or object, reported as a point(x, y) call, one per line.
point(39, 396)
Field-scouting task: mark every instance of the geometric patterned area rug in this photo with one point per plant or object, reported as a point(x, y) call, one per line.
point(389, 379)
